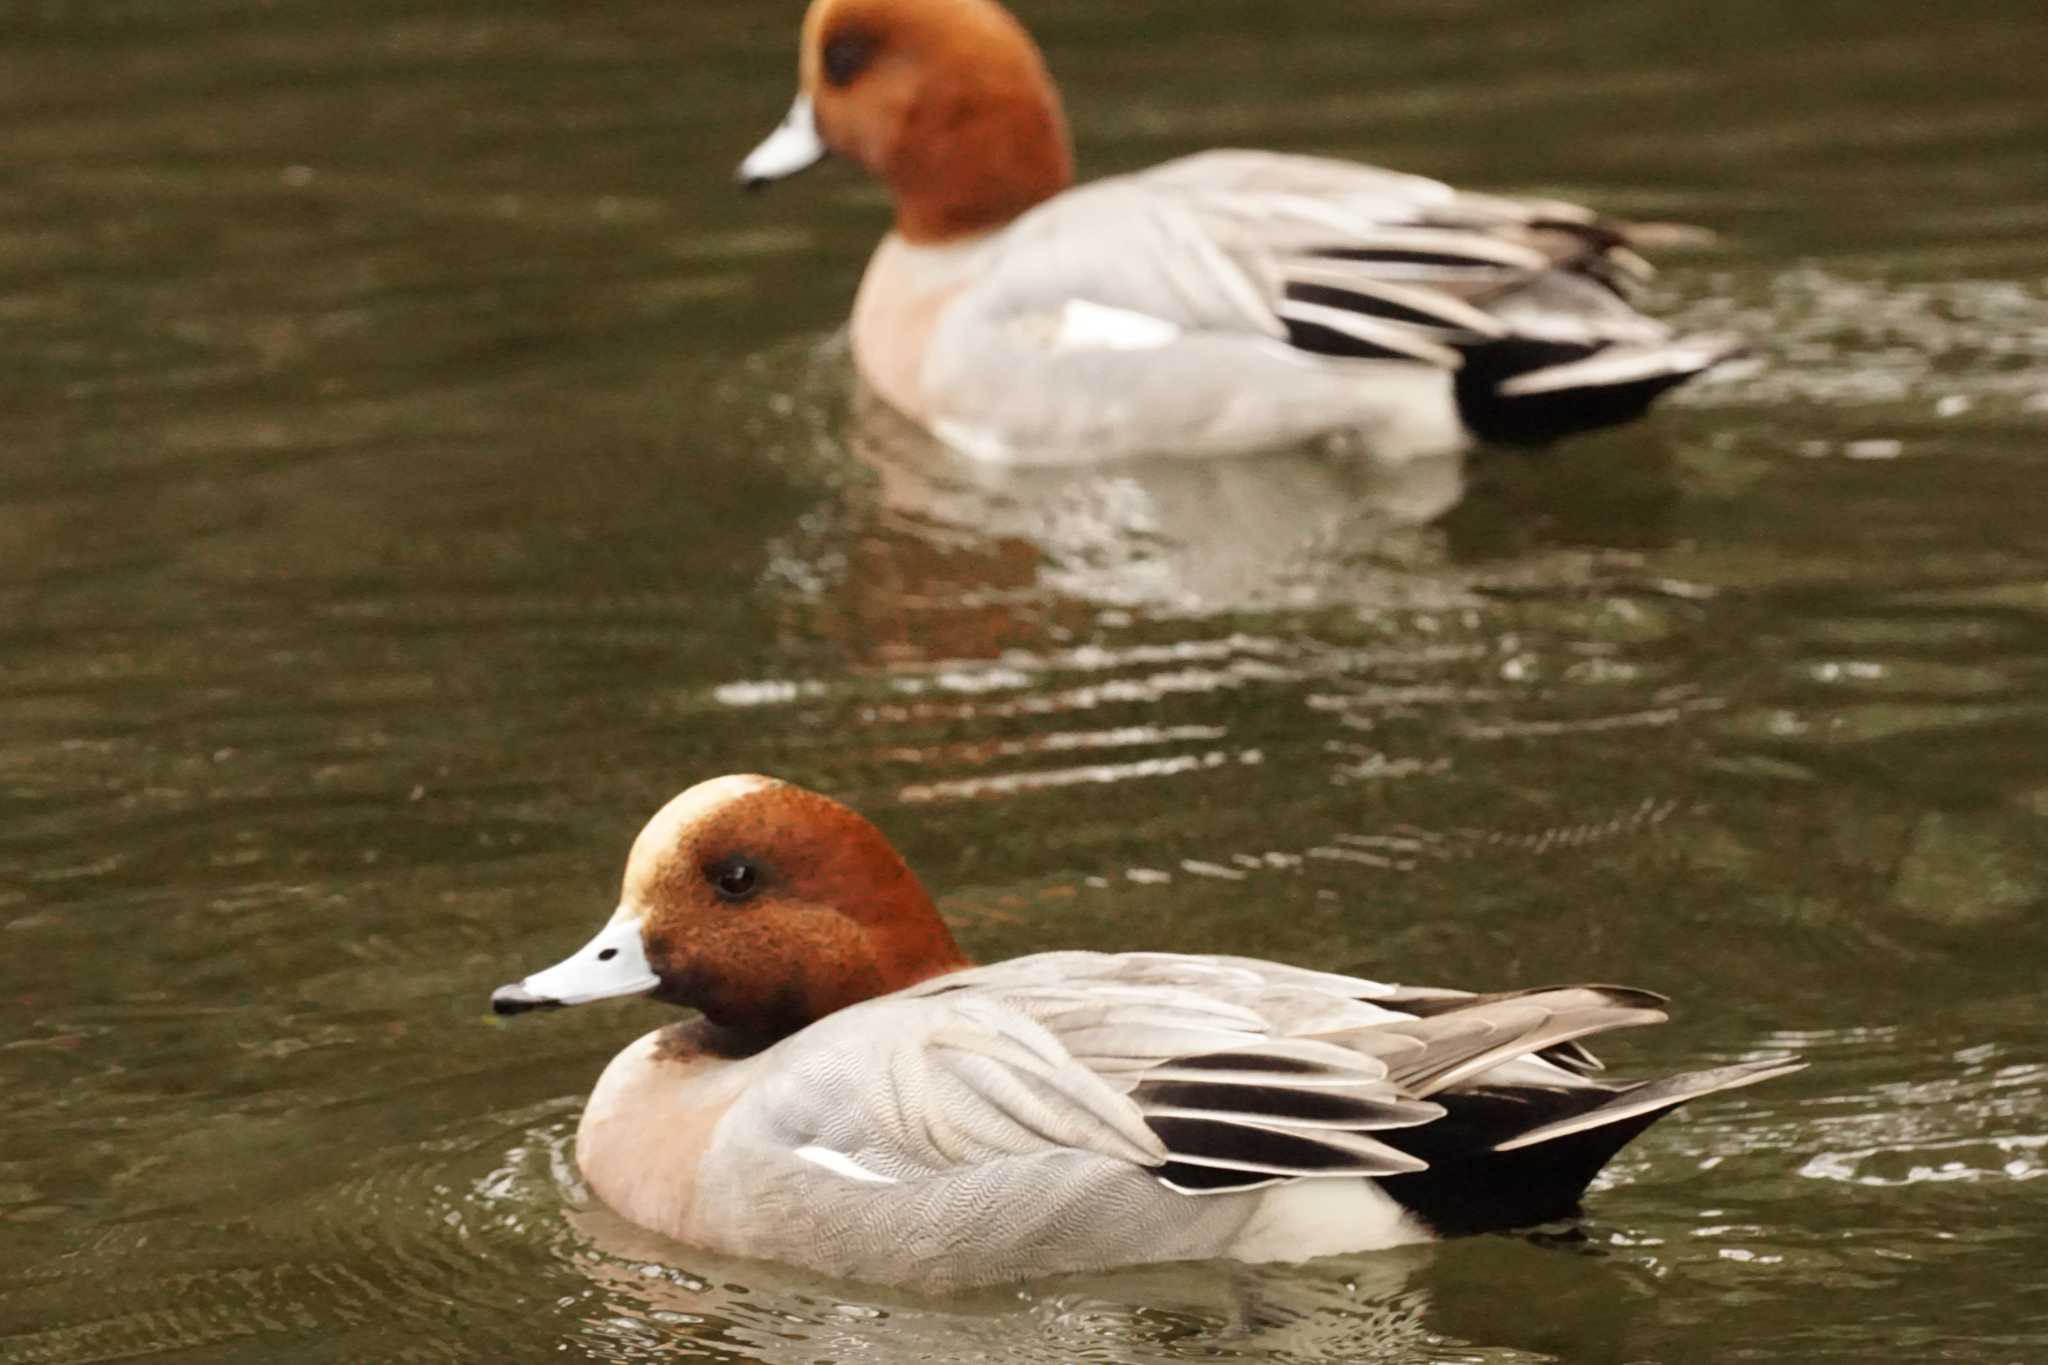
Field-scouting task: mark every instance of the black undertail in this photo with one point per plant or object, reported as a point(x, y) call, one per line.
point(1467, 303)
point(1539, 418)
point(1470, 1188)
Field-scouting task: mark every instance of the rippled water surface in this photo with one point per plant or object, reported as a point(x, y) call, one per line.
point(416, 463)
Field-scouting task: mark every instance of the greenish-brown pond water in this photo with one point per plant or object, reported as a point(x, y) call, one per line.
point(417, 462)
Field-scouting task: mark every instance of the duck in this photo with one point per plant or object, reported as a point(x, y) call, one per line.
point(856, 1098)
point(1227, 302)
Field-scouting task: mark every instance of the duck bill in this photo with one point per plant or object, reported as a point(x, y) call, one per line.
point(613, 963)
point(794, 146)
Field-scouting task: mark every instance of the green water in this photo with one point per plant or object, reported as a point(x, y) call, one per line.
point(416, 463)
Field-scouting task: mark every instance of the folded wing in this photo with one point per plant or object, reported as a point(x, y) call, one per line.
point(1526, 302)
point(1226, 1074)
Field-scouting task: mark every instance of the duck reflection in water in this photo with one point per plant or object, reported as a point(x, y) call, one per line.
point(1398, 1305)
point(941, 559)
point(670, 1298)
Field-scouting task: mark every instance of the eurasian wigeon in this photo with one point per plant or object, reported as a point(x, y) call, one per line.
point(1228, 301)
point(855, 1097)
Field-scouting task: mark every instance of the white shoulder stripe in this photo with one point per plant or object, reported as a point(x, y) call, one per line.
point(839, 1163)
point(1097, 326)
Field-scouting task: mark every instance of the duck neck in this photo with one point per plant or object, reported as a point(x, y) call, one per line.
point(761, 979)
point(980, 163)
point(911, 946)
point(700, 1039)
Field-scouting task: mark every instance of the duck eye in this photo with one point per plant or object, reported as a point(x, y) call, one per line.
point(847, 55)
point(735, 879)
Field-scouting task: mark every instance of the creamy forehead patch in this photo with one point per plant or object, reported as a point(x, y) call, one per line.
point(659, 834)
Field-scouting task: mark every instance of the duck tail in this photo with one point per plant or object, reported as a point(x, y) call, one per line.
point(1508, 1156)
point(1522, 390)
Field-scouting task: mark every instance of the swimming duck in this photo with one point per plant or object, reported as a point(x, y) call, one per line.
point(1225, 302)
point(855, 1097)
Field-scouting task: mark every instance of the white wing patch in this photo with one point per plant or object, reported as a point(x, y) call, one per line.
point(982, 444)
point(839, 1163)
point(1096, 326)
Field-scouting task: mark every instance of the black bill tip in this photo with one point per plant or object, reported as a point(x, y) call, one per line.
point(516, 999)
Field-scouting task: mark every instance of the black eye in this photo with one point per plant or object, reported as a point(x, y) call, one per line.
point(847, 55)
point(735, 879)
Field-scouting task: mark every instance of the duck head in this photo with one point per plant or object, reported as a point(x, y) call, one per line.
point(947, 102)
point(761, 904)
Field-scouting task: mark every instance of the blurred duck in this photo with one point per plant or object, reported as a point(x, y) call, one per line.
point(855, 1097)
point(1227, 301)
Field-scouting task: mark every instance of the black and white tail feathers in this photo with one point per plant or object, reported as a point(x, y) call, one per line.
point(1528, 391)
point(1507, 1156)
point(1532, 313)
point(1478, 1113)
